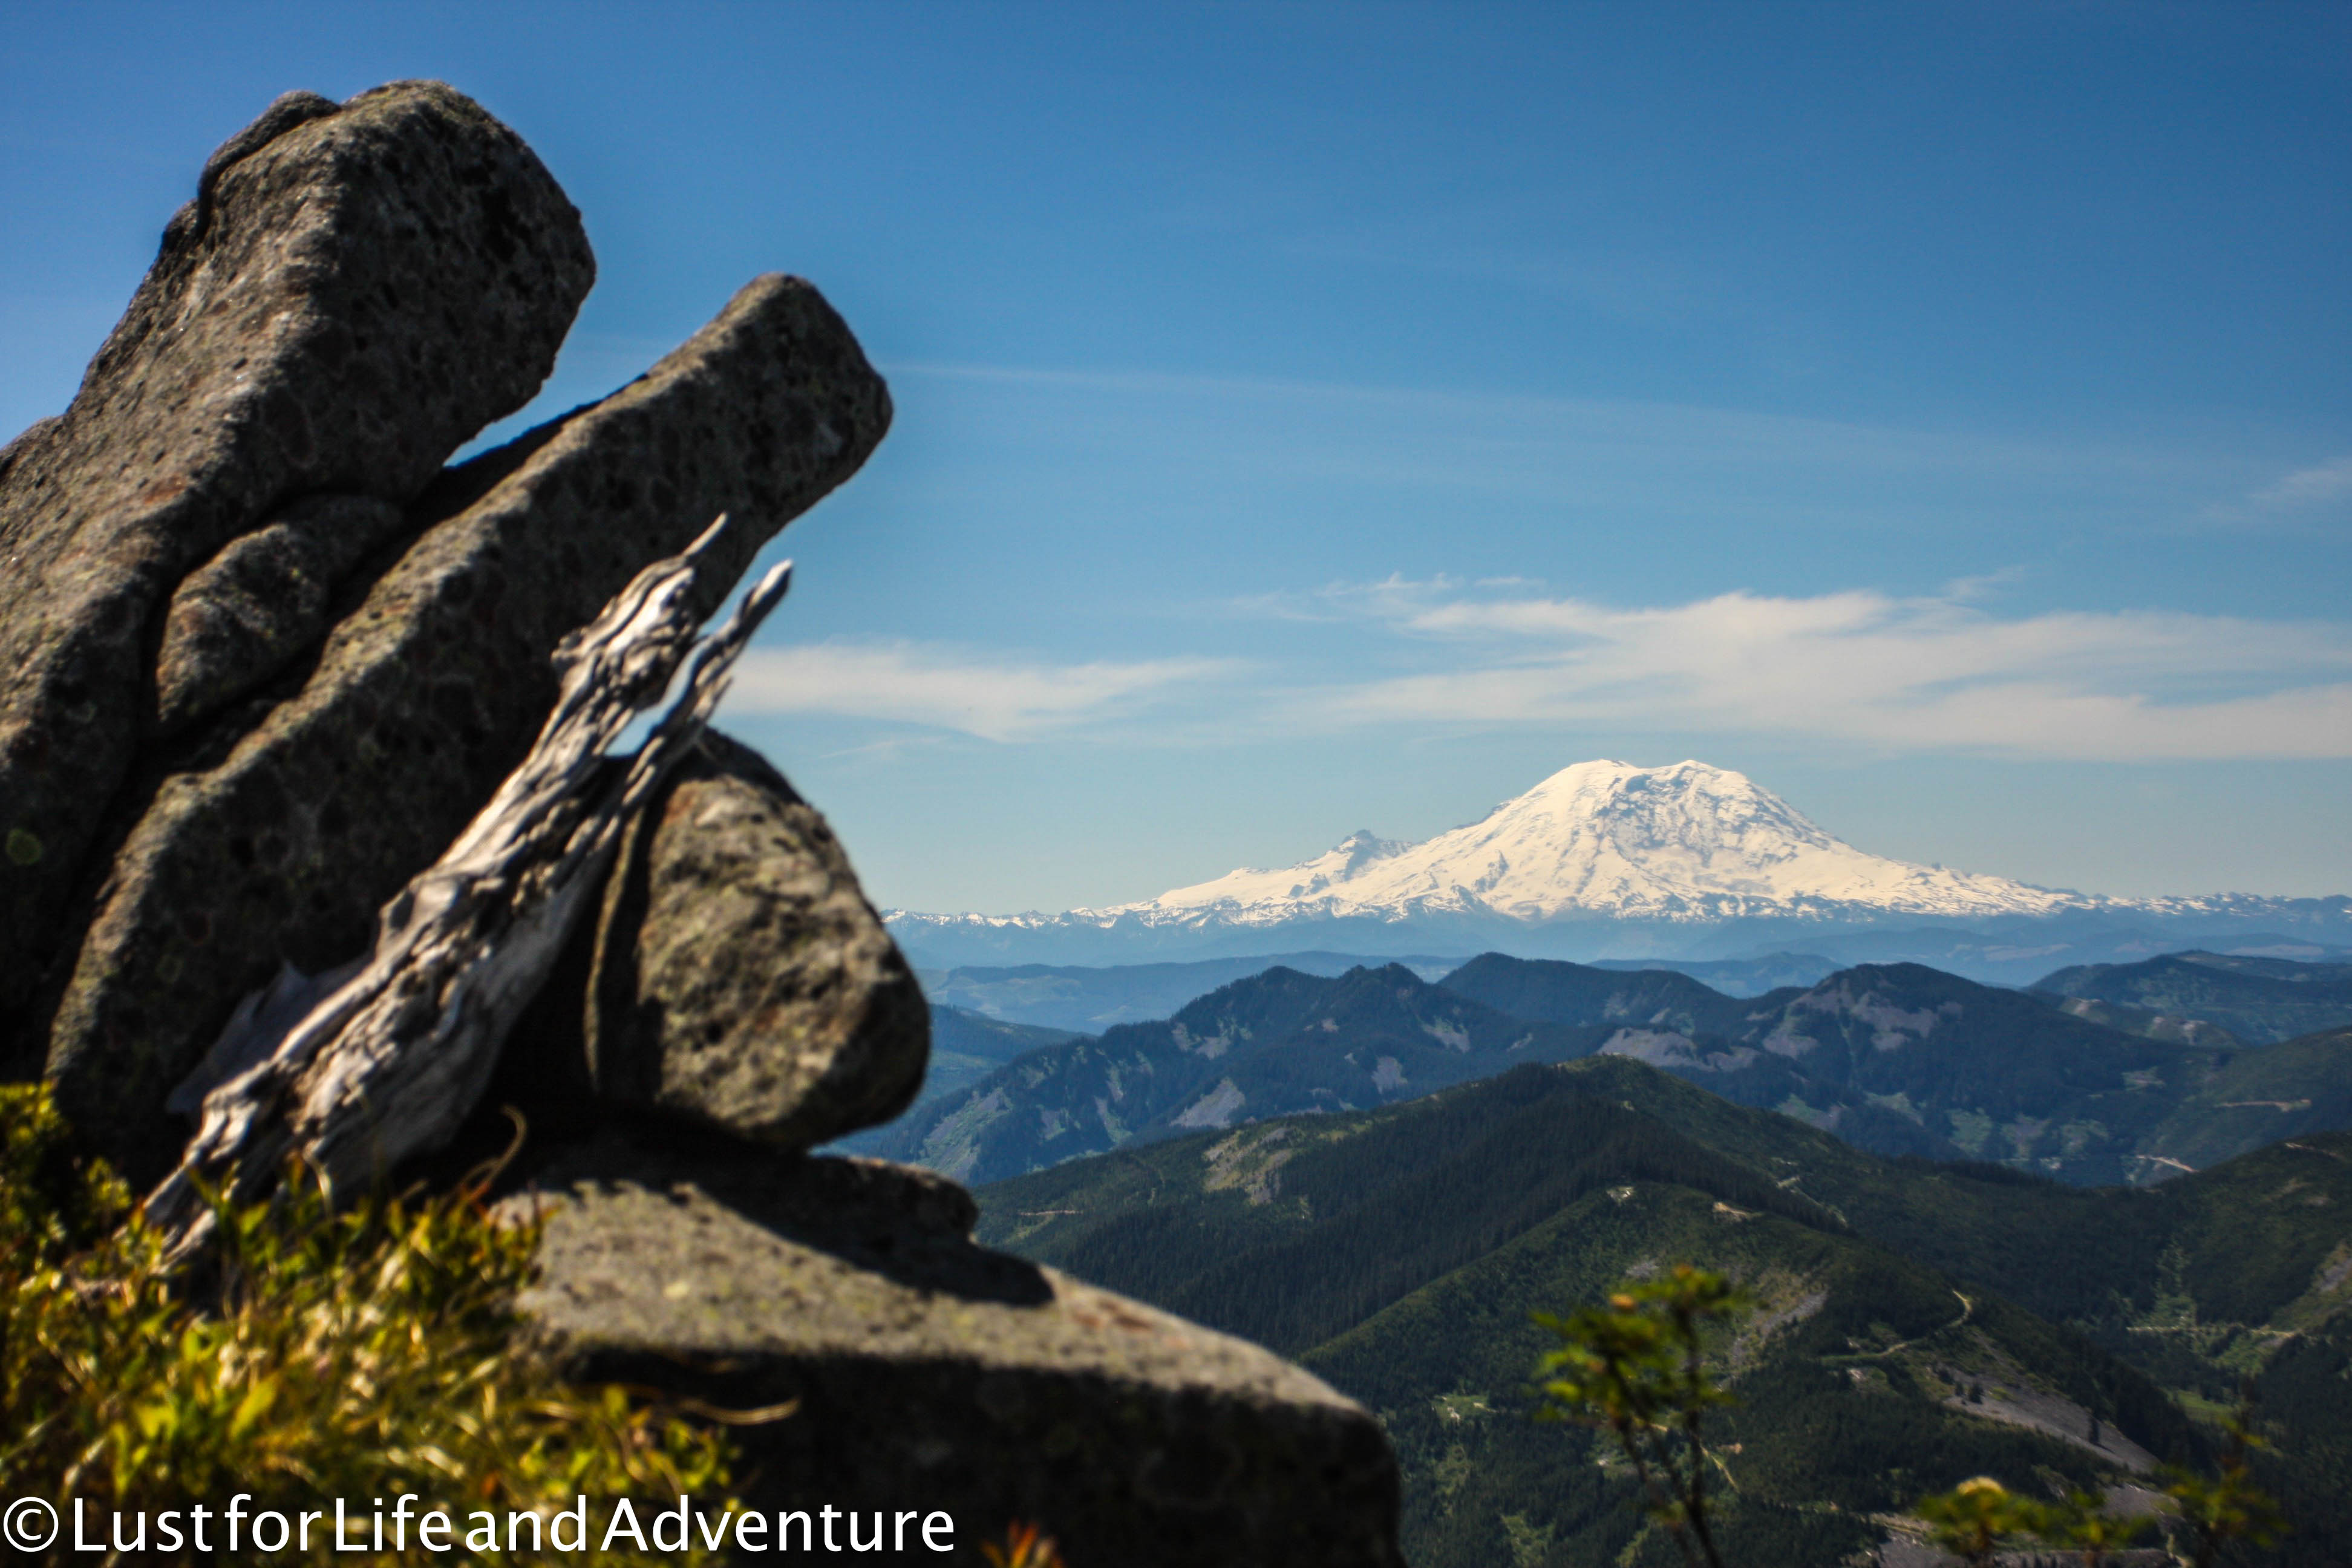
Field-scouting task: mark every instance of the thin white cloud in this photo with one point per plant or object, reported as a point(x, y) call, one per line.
point(1933, 674)
point(946, 687)
point(2304, 498)
point(2316, 486)
point(1937, 673)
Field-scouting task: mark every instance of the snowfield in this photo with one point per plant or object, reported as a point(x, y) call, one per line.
point(1687, 845)
point(1685, 842)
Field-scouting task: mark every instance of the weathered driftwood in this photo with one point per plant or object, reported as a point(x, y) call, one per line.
point(391, 1061)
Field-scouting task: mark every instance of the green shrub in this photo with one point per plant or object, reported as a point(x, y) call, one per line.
point(359, 1355)
point(1636, 1368)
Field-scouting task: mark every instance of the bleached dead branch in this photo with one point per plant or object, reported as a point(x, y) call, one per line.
point(391, 1061)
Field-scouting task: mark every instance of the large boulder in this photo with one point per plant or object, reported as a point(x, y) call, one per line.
point(355, 292)
point(739, 977)
point(428, 690)
point(930, 1374)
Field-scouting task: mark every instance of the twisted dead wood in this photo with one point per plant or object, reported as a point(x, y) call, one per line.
point(392, 1060)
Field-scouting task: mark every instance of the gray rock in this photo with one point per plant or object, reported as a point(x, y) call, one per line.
point(429, 689)
point(352, 293)
point(740, 978)
point(931, 1374)
point(246, 614)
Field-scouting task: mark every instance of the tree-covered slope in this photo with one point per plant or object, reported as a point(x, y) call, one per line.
point(1871, 1382)
point(1566, 992)
point(1739, 976)
point(2260, 1096)
point(1896, 1057)
point(1273, 1044)
point(2262, 1001)
point(1399, 1251)
point(1997, 1074)
point(960, 1032)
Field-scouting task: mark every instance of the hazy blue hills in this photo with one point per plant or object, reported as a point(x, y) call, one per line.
point(1089, 999)
point(1739, 976)
point(2260, 1000)
point(1922, 1323)
point(2021, 952)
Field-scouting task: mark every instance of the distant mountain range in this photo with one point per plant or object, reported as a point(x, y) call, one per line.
point(1608, 860)
point(1898, 1058)
point(1917, 1324)
point(1089, 999)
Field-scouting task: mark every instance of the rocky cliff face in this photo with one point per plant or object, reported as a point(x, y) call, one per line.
point(262, 657)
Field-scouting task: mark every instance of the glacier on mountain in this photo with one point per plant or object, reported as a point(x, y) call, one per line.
point(1687, 842)
point(1607, 860)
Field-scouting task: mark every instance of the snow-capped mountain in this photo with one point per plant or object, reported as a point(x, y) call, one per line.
point(1606, 859)
point(1683, 843)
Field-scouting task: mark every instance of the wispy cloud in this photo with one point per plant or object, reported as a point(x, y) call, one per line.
point(978, 693)
point(2316, 486)
point(1936, 673)
point(2301, 498)
point(1940, 673)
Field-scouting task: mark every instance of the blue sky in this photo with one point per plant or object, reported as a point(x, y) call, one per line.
point(1322, 417)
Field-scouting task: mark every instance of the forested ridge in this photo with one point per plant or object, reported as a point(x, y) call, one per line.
point(1928, 1321)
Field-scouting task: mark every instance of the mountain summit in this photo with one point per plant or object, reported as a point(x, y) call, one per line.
point(1610, 860)
point(1685, 843)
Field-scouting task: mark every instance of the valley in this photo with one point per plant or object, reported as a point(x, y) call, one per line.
point(2044, 1234)
point(1965, 1320)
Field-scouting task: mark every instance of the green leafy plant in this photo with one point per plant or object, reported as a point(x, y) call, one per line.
point(2226, 1506)
point(2082, 1524)
point(1636, 1368)
point(2209, 1511)
point(1971, 1520)
point(362, 1354)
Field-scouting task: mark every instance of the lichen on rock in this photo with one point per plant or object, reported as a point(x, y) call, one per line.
point(430, 686)
point(741, 977)
point(355, 292)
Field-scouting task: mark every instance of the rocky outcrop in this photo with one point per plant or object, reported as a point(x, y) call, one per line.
point(429, 688)
point(260, 664)
point(353, 292)
point(740, 978)
point(931, 1372)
